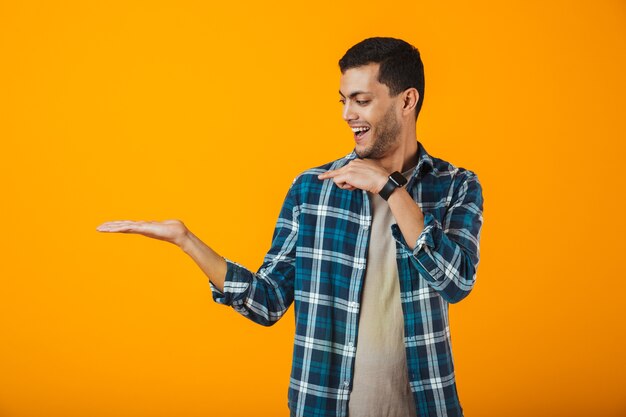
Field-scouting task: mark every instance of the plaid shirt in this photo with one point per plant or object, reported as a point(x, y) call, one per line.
point(317, 260)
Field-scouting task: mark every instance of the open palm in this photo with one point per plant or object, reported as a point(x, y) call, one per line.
point(172, 231)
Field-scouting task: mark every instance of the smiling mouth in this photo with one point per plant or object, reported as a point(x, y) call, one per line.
point(359, 132)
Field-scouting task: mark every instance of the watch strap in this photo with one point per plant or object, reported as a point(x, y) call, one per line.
point(396, 180)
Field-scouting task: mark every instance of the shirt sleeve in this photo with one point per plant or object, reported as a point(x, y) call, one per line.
point(447, 254)
point(265, 296)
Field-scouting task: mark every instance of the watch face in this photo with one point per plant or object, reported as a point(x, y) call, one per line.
point(398, 179)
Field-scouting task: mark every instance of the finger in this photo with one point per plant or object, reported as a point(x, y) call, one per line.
point(341, 182)
point(109, 225)
point(332, 173)
point(120, 225)
point(327, 174)
point(116, 228)
point(341, 179)
point(118, 221)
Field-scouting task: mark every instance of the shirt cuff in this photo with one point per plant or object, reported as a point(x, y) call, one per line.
point(427, 237)
point(233, 282)
point(425, 244)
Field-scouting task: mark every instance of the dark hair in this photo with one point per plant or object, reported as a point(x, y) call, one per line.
point(400, 64)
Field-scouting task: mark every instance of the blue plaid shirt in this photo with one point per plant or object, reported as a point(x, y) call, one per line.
point(317, 260)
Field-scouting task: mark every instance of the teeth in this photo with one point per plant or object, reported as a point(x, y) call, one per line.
point(359, 129)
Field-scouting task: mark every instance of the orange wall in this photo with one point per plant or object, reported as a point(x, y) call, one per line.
point(150, 110)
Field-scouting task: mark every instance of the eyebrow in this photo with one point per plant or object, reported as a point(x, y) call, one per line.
point(354, 94)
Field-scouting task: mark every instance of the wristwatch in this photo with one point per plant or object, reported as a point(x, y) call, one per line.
point(396, 180)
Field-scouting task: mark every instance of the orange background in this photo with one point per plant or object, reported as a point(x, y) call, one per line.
point(206, 112)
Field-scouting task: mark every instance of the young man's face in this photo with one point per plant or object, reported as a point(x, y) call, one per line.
point(368, 109)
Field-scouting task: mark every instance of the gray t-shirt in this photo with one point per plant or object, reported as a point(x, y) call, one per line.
point(381, 384)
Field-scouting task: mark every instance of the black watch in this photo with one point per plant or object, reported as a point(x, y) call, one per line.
point(395, 180)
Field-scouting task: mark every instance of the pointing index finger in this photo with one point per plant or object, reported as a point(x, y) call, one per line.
point(329, 174)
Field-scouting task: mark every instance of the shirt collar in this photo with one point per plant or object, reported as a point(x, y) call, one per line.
point(424, 161)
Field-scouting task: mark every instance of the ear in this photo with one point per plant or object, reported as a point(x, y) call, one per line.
point(410, 97)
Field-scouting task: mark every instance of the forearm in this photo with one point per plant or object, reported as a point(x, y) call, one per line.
point(447, 251)
point(209, 261)
point(408, 215)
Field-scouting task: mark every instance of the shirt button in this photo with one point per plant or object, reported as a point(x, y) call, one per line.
point(346, 384)
point(350, 345)
point(366, 227)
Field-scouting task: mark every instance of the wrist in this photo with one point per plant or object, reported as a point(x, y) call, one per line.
point(394, 181)
point(380, 184)
point(396, 195)
point(186, 241)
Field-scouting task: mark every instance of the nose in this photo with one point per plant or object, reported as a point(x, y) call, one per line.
point(348, 114)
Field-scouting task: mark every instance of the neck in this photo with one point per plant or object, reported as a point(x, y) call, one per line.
point(405, 155)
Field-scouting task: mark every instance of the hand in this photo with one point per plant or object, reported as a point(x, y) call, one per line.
point(364, 174)
point(173, 231)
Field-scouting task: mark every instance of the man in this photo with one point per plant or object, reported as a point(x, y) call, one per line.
point(371, 248)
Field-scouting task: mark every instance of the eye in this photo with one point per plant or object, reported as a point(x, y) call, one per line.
point(362, 102)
